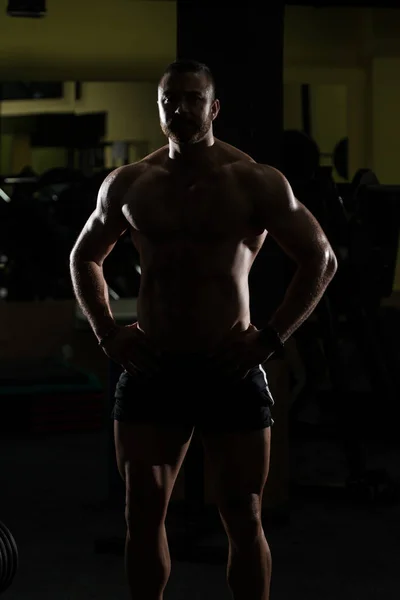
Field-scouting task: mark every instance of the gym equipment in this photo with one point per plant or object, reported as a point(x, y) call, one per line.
point(9, 558)
point(49, 396)
point(47, 213)
point(374, 236)
point(59, 176)
point(351, 192)
point(352, 302)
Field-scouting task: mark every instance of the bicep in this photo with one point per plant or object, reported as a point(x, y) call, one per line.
point(105, 225)
point(291, 224)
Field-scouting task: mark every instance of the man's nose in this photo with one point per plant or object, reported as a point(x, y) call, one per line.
point(182, 107)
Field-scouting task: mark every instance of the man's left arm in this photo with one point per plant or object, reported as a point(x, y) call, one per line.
point(300, 236)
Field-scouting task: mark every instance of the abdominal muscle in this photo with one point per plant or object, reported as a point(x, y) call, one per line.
point(192, 315)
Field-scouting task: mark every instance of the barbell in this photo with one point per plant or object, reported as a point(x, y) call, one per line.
point(8, 558)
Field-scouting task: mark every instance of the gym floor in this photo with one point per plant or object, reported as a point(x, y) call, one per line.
point(326, 550)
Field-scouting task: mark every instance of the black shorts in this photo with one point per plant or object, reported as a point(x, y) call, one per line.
point(187, 392)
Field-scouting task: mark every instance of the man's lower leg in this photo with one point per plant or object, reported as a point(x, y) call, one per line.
point(147, 563)
point(249, 569)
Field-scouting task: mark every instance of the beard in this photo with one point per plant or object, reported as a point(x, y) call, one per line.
point(184, 130)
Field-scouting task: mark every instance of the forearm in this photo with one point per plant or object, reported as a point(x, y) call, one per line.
point(91, 293)
point(302, 296)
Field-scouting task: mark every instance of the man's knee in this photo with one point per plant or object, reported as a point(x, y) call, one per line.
point(144, 512)
point(241, 516)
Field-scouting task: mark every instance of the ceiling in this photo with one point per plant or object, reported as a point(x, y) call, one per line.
point(135, 39)
point(90, 39)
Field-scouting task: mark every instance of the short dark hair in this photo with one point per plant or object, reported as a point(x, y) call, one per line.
point(190, 66)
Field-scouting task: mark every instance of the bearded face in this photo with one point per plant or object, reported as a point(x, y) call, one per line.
point(187, 107)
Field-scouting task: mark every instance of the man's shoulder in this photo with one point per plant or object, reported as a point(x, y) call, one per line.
point(129, 174)
point(156, 158)
point(260, 180)
point(258, 171)
point(243, 163)
point(231, 154)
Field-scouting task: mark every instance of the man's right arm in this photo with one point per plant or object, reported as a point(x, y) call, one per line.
point(95, 242)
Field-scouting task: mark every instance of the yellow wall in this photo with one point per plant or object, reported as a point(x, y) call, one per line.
point(21, 155)
point(328, 108)
point(328, 37)
point(131, 109)
point(328, 115)
point(292, 115)
point(132, 41)
point(43, 159)
point(352, 85)
point(358, 49)
point(385, 118)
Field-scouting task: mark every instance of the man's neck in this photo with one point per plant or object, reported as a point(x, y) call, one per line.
point(193, 154)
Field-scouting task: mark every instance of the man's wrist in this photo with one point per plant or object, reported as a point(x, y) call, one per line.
point(272, 341)
point(108, 334)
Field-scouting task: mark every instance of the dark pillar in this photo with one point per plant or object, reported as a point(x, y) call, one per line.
point(243, 46)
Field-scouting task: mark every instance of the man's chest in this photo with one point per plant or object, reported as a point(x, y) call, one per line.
point(217, 205)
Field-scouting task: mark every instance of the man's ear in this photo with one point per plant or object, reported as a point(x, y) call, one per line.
point(215, 108)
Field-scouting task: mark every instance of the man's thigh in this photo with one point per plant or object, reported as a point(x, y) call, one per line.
point(238, 465)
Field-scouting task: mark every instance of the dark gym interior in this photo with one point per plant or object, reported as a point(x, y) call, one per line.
point(311, 89)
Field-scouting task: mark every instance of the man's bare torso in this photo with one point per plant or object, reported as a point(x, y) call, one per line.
point(197, 236)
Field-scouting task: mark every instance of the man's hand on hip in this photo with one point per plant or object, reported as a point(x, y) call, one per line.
point(237, 356)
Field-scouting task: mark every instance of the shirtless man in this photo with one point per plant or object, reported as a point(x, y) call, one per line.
point(198, 211)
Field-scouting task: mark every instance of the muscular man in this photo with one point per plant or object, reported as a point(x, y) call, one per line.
point(198, 211)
